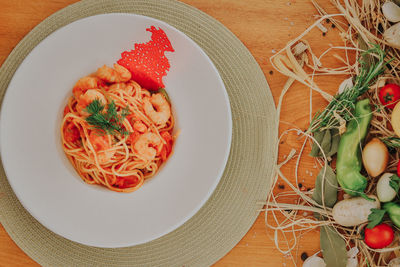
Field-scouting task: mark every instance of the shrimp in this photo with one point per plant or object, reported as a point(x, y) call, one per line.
point(116, 75)
point(162, 111)
point(87, 98)
point(84, 84)
point(143, 145)
point(101, 143)
point(117, 86)
point(126, 87)
point(139, 126)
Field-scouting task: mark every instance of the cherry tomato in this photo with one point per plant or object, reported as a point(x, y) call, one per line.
point(380, 236)
point(398, 168)
point(389, 95)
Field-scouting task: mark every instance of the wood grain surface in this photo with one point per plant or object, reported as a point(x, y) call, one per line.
point(264, 26)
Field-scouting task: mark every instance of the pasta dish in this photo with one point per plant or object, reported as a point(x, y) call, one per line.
point(114, 132)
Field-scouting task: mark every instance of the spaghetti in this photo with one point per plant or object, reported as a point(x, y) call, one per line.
point(133, 134)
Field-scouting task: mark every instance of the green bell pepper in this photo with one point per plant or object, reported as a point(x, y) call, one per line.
point(348, 164)
point(393, 210)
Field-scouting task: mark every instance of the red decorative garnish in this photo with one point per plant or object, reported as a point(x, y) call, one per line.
point(147, 61)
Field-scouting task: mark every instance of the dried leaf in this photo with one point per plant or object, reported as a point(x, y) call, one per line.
point(329, 188)
point(329, 142)
point(366, 57)
point(318, 136)
point(334, 143)
point(326, 142)
point(333, 247)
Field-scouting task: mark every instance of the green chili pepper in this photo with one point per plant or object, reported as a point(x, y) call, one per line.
point(348, 165)
point(393, 210)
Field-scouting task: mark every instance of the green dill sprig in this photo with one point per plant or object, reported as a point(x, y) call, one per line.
point(106, 121)
point(341, 108)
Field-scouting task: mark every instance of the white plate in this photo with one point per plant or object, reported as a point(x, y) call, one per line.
point(44, 180)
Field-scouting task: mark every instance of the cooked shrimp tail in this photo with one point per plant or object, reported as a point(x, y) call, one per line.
point(144, 145)
point(116, 75)
point(157, 108)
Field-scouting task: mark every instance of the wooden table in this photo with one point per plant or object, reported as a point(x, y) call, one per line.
point(264, 26)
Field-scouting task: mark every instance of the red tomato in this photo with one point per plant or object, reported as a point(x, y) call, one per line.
point(389, 95)
point(398, 168)
point(126, 181)
point(379, 237)
point(66, 110)
point(71, 133)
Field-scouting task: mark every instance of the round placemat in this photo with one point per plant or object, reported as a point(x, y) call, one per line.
point(234, 205)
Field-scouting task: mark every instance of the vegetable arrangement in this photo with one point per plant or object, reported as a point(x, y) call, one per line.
point(357, 162)
point(355, 201)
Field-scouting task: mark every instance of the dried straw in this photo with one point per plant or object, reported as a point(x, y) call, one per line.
point(290, 214)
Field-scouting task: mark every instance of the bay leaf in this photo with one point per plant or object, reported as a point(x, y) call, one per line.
point(367, 58)
point(326, 142)
point(318, 136)
point(333, 247)
point(329, 142)
point(330, 187)
point(334, 142)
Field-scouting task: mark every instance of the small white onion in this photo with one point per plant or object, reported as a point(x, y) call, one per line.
point(391, 11)
point(384, 191)
point(375, 157)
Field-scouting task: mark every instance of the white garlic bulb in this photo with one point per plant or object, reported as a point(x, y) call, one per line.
point(394, 262)
point(347, 83)
point(391, 11)
point(314, 261)
point(392, 35)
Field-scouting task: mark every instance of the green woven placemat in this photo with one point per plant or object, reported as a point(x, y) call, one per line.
point(235, 204)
